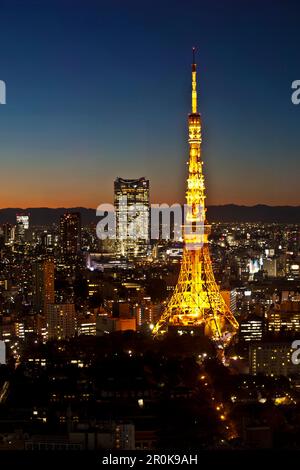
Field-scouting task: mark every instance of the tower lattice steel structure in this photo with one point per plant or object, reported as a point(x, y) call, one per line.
point(197, 299)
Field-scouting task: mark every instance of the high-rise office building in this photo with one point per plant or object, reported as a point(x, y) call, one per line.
point(61, 321)
point(23, 218)
point(43, 284)
point(47, 239)
point(132, 216)
point(270, 267)
point(70, 233)
point(22, 225)
point(251, 329)
point(8, 233)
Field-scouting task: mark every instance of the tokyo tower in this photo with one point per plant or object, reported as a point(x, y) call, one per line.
point(197, 301)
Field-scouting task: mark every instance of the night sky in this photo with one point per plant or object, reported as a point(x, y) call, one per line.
point(100, 89)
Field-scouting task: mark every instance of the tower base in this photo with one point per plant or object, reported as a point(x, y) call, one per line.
point(188, 330)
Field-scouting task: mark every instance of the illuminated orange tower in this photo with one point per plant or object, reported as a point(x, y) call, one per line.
point(197, 300)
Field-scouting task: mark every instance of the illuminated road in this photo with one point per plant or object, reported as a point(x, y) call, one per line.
point(4, 392)
point(223, 414)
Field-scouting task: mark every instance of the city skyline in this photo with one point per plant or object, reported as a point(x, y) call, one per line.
point(89, 107)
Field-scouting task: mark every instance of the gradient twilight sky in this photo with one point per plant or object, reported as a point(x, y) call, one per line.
point(100, 89)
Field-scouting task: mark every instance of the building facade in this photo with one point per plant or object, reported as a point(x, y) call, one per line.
point(284, 317)
point(131, 198)
point(43, 284)
point(70, 233)
point(61, 321)
point(272, 359)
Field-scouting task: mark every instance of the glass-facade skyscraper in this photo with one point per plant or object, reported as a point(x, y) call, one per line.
point(131, 198)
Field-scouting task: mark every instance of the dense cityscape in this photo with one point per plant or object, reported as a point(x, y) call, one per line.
point(83, 370)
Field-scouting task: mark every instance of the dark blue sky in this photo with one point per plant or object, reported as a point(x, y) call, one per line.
point(100, 89)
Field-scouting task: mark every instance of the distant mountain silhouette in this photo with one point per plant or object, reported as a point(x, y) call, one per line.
point(258, 213)
point(226, 213)
point(46, 215)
